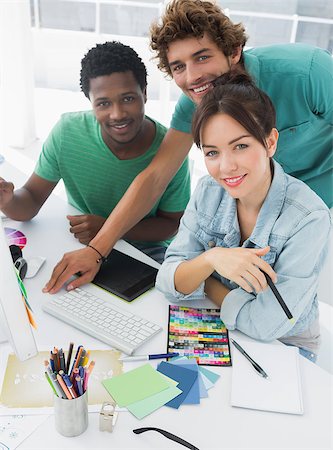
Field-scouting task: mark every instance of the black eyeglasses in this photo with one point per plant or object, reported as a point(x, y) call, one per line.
point(167, 435)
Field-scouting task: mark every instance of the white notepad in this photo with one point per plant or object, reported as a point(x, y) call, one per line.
point(281, 392)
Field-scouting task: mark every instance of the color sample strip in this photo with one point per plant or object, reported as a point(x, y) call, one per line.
point(15, 237)
point(208, 384)
point(185, 378)
point(193, 396)
point(199, 333)
point(212, 376)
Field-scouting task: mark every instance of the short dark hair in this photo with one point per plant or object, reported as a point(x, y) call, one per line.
point(110, 57)
point(236, 94)
point(193, 18)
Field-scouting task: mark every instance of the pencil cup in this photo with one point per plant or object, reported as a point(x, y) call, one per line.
point(71, 416)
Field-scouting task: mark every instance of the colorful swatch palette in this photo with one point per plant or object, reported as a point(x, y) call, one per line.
point(143, 390)
point(15, 237)
point(199, 333)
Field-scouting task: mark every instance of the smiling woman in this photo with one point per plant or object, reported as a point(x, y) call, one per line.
point(248, 220)
point(238, 138)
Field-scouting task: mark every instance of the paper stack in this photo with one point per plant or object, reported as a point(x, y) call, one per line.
point(280, 392)
point(144, 389)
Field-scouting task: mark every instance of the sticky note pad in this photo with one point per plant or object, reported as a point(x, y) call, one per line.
point(135, 385)
point(185, 378)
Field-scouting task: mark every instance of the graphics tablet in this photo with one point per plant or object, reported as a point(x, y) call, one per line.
point(125, 276)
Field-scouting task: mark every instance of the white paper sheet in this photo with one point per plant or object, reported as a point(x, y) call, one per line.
point(16, 428)
point(281, 392)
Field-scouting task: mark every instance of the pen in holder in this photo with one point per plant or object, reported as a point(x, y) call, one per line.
point(71, 416)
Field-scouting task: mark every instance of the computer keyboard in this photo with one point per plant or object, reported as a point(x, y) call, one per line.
point(108, 323)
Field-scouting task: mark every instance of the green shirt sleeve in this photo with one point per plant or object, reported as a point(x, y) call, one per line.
point(47, 166)
point(182, 116)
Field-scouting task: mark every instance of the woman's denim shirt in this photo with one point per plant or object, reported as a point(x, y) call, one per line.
point(293, 221)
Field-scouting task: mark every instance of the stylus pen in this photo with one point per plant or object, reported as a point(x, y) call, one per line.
point(278, 297)
point(148, 357)
point(275, 291)
point(256, 366)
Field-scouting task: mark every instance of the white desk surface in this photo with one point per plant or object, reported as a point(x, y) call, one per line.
point(213, 424)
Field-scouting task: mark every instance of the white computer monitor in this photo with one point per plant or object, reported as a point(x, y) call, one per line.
point(14, 321)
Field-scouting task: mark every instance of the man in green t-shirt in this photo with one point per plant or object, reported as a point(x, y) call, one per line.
point(195, 43)
point(98, 154)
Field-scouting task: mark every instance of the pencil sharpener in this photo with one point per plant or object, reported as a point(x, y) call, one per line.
point(107, 417)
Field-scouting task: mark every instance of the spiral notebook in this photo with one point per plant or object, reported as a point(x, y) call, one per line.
point(281, 392)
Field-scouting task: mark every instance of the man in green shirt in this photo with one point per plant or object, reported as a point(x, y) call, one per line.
point(298, 78)
point(98, 153)
point(196, 43)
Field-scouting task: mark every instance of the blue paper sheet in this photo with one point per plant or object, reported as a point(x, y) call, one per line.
point(198, 389)
point(185, 378)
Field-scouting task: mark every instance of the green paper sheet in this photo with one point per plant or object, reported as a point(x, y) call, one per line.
point(135, 385)
point(150, 404)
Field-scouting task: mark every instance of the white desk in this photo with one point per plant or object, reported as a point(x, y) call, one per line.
point(213, 424)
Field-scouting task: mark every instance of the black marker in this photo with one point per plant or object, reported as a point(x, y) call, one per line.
point(275, 291)
point(278, 297)
point(256, 366)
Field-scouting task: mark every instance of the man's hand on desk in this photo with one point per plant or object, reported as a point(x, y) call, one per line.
point(85, 226)
point(83, 261)
point(6, 192)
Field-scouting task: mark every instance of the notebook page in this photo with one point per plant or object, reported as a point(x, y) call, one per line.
point(281, 392)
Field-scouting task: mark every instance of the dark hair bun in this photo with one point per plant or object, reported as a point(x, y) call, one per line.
point(235, 76)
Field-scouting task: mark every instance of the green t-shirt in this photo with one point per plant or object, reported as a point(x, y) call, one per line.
point(95, 179)
point(299, 80)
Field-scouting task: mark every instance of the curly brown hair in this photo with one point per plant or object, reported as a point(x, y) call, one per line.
point(194, 18)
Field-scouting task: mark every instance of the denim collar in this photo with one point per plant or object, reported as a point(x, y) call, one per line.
point(225, 221)
point(271, 208)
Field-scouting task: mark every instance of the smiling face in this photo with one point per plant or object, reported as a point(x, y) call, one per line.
point(236, 160)
point(196, 63)
point(119, 106)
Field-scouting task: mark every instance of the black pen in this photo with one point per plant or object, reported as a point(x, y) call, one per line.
point(259, 370)
point(275, 291)
point(278, 297)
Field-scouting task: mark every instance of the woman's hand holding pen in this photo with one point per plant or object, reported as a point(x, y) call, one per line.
point(241, 265)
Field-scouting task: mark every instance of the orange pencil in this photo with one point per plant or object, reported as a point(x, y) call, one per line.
point(64, 387)
point(91, 366)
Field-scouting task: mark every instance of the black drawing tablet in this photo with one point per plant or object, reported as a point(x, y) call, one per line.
point(125, 276)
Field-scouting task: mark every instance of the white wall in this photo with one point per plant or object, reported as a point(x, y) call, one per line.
point(58, 54)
